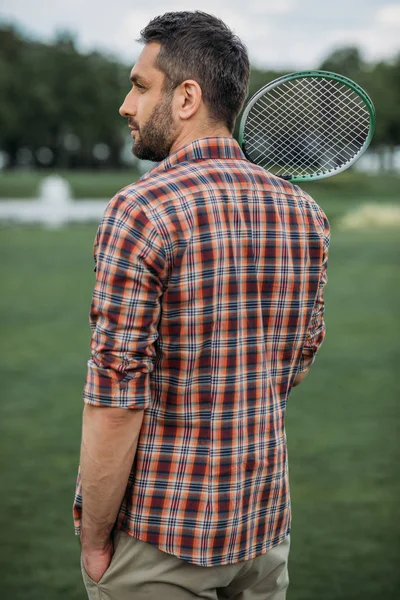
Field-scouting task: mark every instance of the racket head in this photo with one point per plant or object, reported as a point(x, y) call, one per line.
point(307, 125)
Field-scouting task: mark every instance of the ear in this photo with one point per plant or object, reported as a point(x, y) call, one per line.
point(188, 99)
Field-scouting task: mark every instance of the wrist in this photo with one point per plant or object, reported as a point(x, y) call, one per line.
point(99, 545)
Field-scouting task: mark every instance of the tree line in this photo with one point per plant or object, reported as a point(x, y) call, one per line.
point(59, 107)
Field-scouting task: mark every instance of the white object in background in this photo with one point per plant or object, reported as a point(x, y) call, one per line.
point(54, 207)
point(372, 216)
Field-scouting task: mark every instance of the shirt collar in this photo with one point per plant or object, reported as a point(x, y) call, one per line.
point(201, 149)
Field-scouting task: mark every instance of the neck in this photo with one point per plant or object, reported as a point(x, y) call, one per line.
point(187, 137)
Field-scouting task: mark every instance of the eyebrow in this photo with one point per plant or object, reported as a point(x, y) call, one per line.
point(138, 79)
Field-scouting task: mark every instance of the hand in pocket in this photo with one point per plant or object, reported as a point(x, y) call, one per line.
point(96, 562)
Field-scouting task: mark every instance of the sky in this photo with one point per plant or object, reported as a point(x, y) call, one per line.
point(278, 33)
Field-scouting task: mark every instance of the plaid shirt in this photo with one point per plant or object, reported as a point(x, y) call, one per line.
point(208, 301)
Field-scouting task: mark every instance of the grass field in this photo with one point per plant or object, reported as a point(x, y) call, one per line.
point(351, 185)
point(342, 423)
point(83, 184)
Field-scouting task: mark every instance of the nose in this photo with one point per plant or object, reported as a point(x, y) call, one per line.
point(127, 108)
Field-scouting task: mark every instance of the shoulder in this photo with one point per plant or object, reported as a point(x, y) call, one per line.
point(148, 193)
point(314, 208)
point(127, 216)
point(294, 195)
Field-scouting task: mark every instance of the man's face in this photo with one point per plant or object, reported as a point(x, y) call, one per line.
point(148, 109)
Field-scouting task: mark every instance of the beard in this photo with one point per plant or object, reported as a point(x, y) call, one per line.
point(154, 140)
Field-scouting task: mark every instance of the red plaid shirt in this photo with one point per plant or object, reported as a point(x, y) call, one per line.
point(208, 301)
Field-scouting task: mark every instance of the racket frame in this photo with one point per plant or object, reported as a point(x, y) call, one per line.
point(312, 74)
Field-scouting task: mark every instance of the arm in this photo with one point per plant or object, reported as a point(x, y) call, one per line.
point(109, 441)
point(316, 329)
point(124, 315)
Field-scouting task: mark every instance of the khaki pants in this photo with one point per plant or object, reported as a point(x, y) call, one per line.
point(140, 571)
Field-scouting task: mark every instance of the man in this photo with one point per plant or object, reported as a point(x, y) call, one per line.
point(207, 310)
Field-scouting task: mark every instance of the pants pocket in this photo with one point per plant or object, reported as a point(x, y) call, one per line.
point(86, 578)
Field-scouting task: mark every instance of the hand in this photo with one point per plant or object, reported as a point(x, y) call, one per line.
point(96, 562)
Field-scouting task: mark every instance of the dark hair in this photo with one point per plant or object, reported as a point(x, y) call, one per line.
point(195, 45)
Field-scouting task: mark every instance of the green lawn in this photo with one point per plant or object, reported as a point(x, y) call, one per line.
point(350, 185)
point(342, 423)
point(84, 184)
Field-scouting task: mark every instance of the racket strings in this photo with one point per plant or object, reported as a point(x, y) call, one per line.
point(307, 162)
point(303, 122)
point(280, 152)
point(352, 115)
point(346, 105)
point(306, 124)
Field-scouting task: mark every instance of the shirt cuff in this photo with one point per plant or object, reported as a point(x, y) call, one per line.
point(106, 387)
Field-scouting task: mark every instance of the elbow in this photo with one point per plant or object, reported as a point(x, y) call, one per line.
point(299, 378)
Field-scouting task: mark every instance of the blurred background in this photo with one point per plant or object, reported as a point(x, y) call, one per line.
point(64, 152)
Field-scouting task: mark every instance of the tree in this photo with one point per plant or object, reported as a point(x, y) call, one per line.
point(346, 61)
point(51, 91)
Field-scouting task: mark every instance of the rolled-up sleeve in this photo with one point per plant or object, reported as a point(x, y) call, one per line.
point(317, 328)
point(126, 307)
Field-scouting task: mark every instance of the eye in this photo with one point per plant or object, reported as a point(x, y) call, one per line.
point(140, 87)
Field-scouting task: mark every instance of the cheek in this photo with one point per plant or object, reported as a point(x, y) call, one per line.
point(145, 108)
